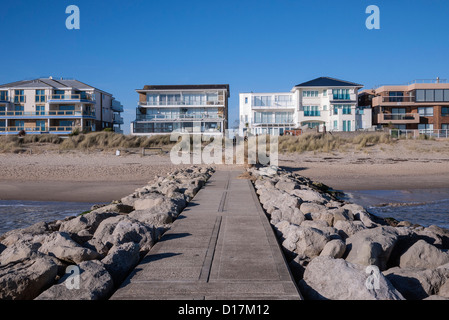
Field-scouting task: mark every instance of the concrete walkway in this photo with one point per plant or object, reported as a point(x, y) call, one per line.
point(220, 247)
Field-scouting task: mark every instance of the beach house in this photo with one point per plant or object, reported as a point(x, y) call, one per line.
point(323, 103)
point(418, 105)
point(56, 106)
point(163, 109)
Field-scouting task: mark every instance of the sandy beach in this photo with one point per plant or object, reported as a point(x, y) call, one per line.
point(103, 176)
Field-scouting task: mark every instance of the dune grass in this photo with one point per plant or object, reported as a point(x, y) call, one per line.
point(329, 143)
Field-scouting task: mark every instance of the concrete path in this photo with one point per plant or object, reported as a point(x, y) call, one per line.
point(220, 247)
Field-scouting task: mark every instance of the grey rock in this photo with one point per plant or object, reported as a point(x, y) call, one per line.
point(415, 284)
point(26, 279)
point(337, 279)
point(121, 260)
point(305, 241)
point(95, 283)
point(61, 246)
point(310, 195)
point(423, 255)
point(372, 246)
point(89, 221)
point(308, 207)
point(334, 248)
point(348, 228)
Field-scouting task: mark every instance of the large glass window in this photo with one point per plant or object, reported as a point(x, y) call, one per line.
point(425, 111)
point(396, 96)
point(262, 101)
point(430, 95)
point(311, 111)
point(341, 94)
point(346, 109)
point(310, 93)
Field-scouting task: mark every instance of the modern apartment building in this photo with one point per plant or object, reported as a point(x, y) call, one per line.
point(418, 105)
point(163, 109)
point(327, 103)
point(56, 106)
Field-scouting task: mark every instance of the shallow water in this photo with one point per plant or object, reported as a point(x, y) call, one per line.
point(15, 214)
point(419, 206)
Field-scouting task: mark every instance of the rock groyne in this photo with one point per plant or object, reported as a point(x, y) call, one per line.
point(338, 250)
point(88, 256)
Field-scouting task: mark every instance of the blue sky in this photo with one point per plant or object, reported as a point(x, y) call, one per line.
point(250, 45)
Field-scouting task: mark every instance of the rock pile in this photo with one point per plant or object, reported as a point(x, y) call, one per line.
point(337, 250)
point(105, 243)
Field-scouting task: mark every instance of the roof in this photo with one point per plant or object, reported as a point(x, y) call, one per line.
point(328, 82)
point(50, 83)
point(187, 87)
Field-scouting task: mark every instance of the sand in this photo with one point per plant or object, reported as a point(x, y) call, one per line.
point(103, 176)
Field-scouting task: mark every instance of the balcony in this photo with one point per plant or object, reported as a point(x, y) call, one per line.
point(45, 114)
point(61, 98)
point(116, 106)
point(276, 105)
point(117, 119)
point(180, 117)
point(393, 100)
point(36, 130)
point(181, 103)
point(398, 118)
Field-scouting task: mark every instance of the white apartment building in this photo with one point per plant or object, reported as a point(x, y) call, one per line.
point(163, 109)
point(56, 106)
point(326, 103)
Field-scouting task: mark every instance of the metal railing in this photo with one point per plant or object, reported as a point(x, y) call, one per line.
point(414, 134)
point(400, 116)
point(64, 113)
point(398, 99)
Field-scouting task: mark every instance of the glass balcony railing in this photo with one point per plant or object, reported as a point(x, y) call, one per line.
point(182, 103)
point(36, 129)
point(153, 117)
point(71, 97)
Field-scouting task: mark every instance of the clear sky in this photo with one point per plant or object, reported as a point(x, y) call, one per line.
point(251, 45)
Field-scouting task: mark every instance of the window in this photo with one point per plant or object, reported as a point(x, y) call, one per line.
point(20, 124)
point(360, 111)
point(445, 111)
point(40, 96)
point(425, 111)
point(262, 101)
point(430, 95)
point(152, 99)
point(310, 93)
point(40, 110)
point(19, 96)
point(246, 100)
point(3, 95)
point(398, 110)
point(311, 111)
point(425, 126)
point(335, 110)
point(396, 96)
point(324, 93)
point(335, 124)
point(346, 125)
point(445, 126)
point(325, 108)
point(346, 109)
point(341, 94)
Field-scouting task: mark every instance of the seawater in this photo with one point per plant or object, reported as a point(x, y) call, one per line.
point(419, 206)
point(15, 214)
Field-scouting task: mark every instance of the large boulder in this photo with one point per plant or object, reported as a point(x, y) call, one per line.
point(292, 215)
point(95, 283)
point(372, 246)
point(310, 195)
point(121, 260)
point(61, 246)
point(273, 198)
point(348, 228)
point(415, 284)
point(26, 279)
point(335, 248)
point(305, 241)
point(424, 256)
point(326, 278)
point(89, 222)
point(20, 250)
